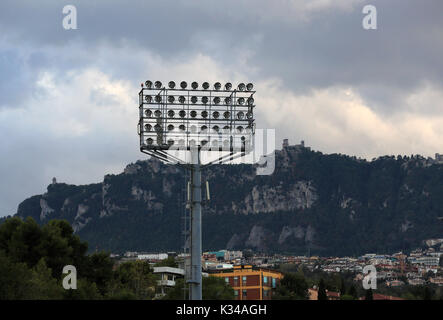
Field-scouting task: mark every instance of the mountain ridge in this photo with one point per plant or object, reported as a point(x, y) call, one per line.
point(326, 204)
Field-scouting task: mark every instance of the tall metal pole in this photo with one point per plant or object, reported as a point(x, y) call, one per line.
point(196, 234)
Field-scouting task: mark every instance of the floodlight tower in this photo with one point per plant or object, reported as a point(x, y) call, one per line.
point(177, 121)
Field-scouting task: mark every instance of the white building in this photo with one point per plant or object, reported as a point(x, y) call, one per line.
point(167, 278)
point(416, 282)
point(232, 255)
point(153, 256)
point(220, 266)
point(428, 261)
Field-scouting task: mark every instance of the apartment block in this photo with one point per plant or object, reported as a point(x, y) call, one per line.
point(251, 283)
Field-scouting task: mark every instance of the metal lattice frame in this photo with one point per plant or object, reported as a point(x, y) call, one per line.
point(183, 119)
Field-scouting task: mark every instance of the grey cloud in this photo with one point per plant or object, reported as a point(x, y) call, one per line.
point(329, 48)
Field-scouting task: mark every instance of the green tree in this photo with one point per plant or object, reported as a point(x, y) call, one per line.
point(369, 295)
point(168, 262)
point(32, 259)
point(215, 288)
point(27, 242)
point(85, 291)
point(293, 286)
point(98, 269)
point(135, 277)
point(322, 290)
point(342, 286)
point(14, 279)
point(427, 294)
point(353, 292)
point(42, 286)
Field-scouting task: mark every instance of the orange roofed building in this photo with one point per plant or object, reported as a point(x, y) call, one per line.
point(377, 296)
point(251, 283)
point(313, 294)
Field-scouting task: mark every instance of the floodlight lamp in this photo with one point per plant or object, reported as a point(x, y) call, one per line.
point(216, 128)
point(205, 85)
point(158, 84)
point(170, 127)
point(148, 113)
point(158, 98)
point(239, 129)
point(241, 87)
point(250, 101)
point(217, 100)
point(148, 127)
point(148, 84)
point(228, 100)
point(241, 101)
point(149, 141)
point(226, 114)
point(171, 84)
point(249, 115)
point(181, 99)
point(183, 84)
point(182, 127)
point(226, 129)
point(240, 115)
point(205, 100)
point(228, 86)
point(148, 99)
point(204, 114)
point(171, 113)
point(194, 85)
point(215, 114)
point(249, 86)
point(157, 113)
point(170, 142)
point(194, 99)
point(193, 113)
point(157, 127)
point(182, 113)
point(171, 99)
point(217, 86)
point(204, 129)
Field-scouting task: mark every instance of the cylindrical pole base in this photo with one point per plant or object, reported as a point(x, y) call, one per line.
point(196, 235)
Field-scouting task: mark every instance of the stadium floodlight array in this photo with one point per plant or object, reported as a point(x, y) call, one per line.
point(182, 117)
point(196, 119)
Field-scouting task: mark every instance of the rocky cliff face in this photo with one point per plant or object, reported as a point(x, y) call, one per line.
point(331, 204)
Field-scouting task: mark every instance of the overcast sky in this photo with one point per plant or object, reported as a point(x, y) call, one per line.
point(68, 98)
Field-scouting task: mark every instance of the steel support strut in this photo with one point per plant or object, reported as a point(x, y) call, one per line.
point(196, 234)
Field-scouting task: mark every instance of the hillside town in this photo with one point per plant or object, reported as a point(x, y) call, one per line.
point(420, 267)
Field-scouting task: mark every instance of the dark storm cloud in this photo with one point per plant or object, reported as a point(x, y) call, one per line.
point(330, 47)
